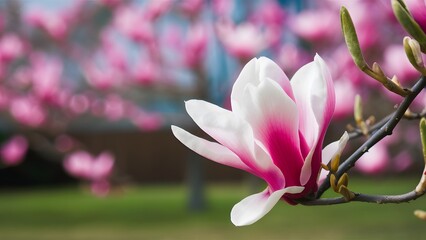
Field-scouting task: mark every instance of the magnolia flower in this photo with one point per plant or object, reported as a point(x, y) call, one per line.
point(274, 131)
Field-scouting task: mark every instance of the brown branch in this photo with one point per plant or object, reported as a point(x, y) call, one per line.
point(359, 197)
point(385, 130)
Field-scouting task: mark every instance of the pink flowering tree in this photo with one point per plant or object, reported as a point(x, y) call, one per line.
point(275, 126)
point(82, 66)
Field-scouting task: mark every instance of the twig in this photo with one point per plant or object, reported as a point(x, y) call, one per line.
point(378, 135)
point(359, 197)
point(412, 116)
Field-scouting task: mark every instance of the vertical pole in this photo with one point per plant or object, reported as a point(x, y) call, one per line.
point(195, 178)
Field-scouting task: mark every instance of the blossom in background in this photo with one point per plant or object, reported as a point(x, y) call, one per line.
point(96, 170)
point(13, 151)
point(195, 45)
point(11, 47)
point(274, 131)
point(52, 23)
point(46, 77)
point(28, 111)
point(243, 41)
point(307, 26)
point(375, 160)
point(396, 63)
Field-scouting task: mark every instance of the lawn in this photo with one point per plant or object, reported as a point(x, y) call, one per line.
point(159, 212)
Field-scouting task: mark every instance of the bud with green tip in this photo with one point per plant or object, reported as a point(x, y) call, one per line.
point(351, 39)
point(410, 25)
point(421, 187)
point(423, 136)
point(412, 50)
point(352, 42)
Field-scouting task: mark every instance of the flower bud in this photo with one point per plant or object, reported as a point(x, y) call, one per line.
point(423, 136)
point(343, 181)
point(335, 162)
point(351, 39)
point(413, 52)
point(347, 194)
point(421, 187)
point(410, 25)
point(420, 214)
point(333, 182)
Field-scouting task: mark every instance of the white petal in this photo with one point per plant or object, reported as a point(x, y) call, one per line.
point(329, 152)
point(253, 73)
point(254, 207)
point(232, 132)
point(306, 172)
point(314, 93)
point(248, 75)
point(210, 150)
point(267, 104)
point(334, 148)
point(268, 69)
point(222, 125)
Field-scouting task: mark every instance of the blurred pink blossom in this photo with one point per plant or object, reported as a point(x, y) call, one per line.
point(52, 22)
point(85, 166)
point(111, 3)
point(374, 161)
point(127, 17)
point(145, 72)
point(147, 121)
point(291, 58)
point(195, 45)
point(13, 151)
point(102, 78)
point(192, 7)
point(114, 52)
point(5, 97)
point(114, 107)
point(28, 111)
point(243, 41)
point(223, 8)
point(396, 63)
point(271, 13)
point(46, 75)
point(403, 161)
point(316, 25)
point(79, 103)
point(11, 47)
point(155, 9)
point(345, 98)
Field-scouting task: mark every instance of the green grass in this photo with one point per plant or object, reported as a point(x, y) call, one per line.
point(159, 212)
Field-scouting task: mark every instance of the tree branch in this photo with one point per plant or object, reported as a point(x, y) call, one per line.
point(358, 133)
point(359, 197)
point(378, 135)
